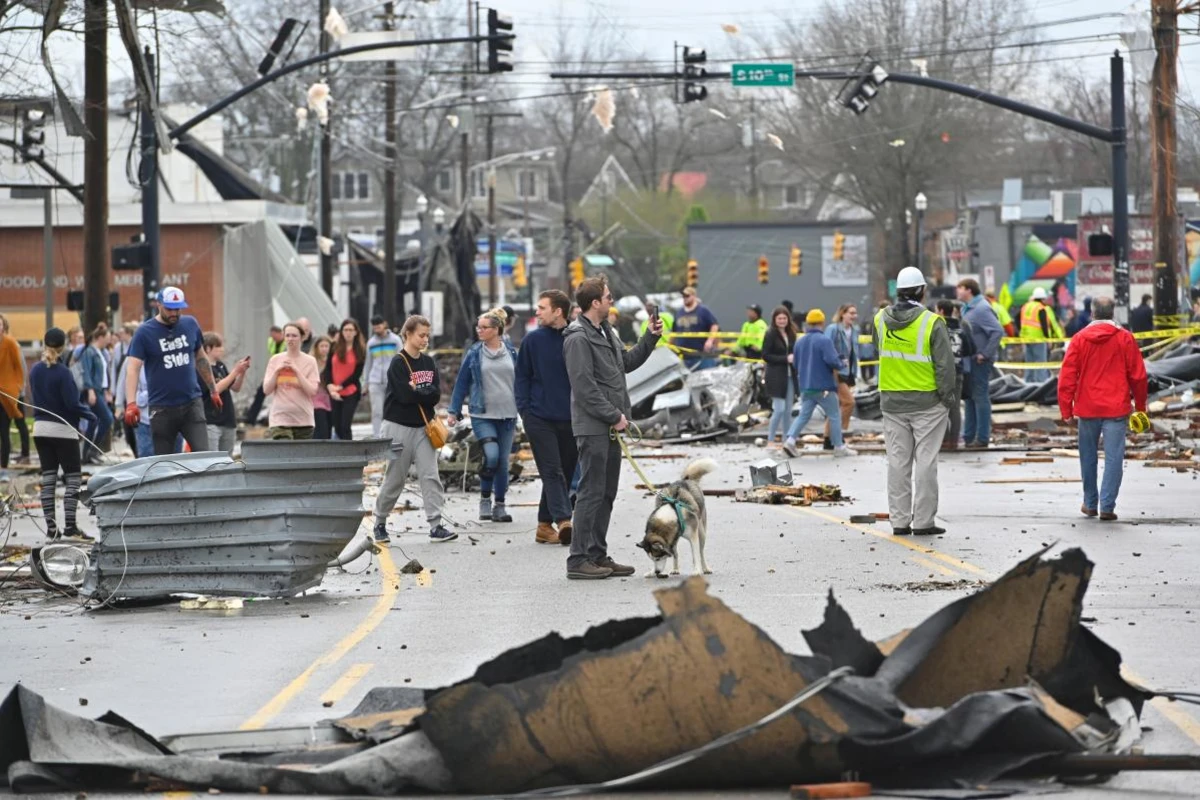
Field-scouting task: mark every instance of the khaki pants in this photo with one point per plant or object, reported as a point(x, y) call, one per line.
point(912, 441)
point(845, 404)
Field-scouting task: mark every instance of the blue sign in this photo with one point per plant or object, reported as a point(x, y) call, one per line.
point(507, 251)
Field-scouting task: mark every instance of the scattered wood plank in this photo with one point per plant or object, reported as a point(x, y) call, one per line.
point(1033, 480)
point(1172, 464)
point(707, 492)
point(1016, 460)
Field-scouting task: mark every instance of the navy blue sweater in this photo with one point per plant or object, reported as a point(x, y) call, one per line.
point(541, 383)
point(53, 389)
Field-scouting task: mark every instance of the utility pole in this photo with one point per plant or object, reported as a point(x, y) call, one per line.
point(148, 178)
point(1163, 188)
point(465, 121)
point(325, 201)
point(1120, 199)
point(389, 183)
point(753, 159)
point(491, 213)
point(95, 164)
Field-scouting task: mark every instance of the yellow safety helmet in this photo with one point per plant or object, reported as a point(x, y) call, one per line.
point(1139, 422)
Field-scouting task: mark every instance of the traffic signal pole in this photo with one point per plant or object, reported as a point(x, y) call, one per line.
point(1115, 136)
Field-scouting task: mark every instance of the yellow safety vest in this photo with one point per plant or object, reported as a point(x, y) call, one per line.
point(906, 356)
point(1031, 324)
point(752, 334)
point(1001, 313)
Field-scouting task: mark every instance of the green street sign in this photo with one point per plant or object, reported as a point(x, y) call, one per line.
point(763, 74)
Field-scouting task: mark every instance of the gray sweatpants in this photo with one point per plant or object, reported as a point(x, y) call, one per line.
point(600, 465)
point(912, 441)
point(222, 439)
point(409, 444)
point(375, 396)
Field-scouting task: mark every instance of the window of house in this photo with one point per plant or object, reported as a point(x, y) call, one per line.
point(348, 184)
point(793, 196)
point(364, 186)
point(335, 186)
point(478, 183)
point(527, 184)
point(445, 181)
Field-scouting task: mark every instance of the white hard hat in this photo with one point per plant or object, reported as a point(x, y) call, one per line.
point(1039, 294)
point(910, 278)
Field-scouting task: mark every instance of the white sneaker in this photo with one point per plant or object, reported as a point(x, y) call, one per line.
point(843, 451)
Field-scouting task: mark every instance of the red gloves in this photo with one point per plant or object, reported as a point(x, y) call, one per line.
point(218, 403)
point(132, 415)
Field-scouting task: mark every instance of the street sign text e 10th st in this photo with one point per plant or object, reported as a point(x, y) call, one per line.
point(763, 74)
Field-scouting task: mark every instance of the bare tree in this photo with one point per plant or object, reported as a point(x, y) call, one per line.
point(911, 139)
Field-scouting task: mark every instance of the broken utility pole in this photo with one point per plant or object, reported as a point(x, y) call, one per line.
point(95, 164)
point(1163, 189)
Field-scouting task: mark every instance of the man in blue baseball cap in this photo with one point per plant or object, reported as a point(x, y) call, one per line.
point(171, 347)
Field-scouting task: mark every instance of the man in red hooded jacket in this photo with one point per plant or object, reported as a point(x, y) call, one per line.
point(1103, 375)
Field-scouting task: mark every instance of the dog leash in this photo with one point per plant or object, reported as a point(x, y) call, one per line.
point(675, 502)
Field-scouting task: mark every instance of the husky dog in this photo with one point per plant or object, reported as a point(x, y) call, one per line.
point(663, 529)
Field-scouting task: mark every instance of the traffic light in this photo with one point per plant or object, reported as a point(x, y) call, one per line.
point(859, 91)
point(33, 134)
point(520, 279)
point(764, 269)
point(499, 48)
point(839, 246)
point(693, 273)
point(576, 273)
point(794, 261)
point(692, 71)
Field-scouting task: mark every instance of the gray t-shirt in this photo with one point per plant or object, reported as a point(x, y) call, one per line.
point(498, 374)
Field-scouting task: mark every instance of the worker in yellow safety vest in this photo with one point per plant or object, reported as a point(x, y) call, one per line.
point(916, 390)
point(1006, 320)
point(668, 321)
point(1038, 323)
point(754, 330)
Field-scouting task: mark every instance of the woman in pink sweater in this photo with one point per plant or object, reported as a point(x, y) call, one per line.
point(291, 381)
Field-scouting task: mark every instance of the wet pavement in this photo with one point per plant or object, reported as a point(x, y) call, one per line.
point(280, 662)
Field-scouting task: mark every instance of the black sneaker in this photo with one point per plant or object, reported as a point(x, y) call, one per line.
point(442, 534)
point(380, 533)
point(933, 531)
point(73, 532)
point(902, 531)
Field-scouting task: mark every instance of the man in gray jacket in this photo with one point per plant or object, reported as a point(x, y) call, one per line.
point(916, 390)
point(986, 334)
point(596, 367)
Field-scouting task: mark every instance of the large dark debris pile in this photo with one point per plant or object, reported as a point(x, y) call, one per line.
point(1005, 681)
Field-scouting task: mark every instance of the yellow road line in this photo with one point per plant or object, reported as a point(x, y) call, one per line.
point(1173, 712)
point(391, 586)
point(902, 541)
point(342, 686)
point(925, 562)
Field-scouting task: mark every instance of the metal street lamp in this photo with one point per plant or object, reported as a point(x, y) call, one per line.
point(921, 202)
point(422, 208)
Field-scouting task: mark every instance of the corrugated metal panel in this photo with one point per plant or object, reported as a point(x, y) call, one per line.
point(265, 526)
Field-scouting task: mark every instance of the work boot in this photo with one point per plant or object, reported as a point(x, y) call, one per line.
point(485, 509)
point(499, 513)
point(618, 570)
point(380, 532)
point(565, 529)
point(1087, 512)
point(588, 571)
point(546, 534)
point(1108, 516)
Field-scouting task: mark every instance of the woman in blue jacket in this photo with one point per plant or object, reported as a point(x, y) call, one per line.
point(486, 379)
point(57, 415)
point(95, 369)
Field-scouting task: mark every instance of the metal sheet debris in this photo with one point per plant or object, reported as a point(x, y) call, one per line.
point(1004, 680)
point(202, 523)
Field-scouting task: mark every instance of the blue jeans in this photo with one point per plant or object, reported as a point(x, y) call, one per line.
point(828, 403)
point(99, 428)
point(1114, 458)
point(1036, 354)
point(977, 417)
point(781, 411)
point(496, 437)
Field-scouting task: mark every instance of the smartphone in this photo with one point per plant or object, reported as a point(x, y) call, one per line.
point(653, 312)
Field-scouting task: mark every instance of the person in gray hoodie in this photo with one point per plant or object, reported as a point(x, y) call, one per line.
point(916, 391)
point(381, 349)
point(596, 368)
point(986, 333)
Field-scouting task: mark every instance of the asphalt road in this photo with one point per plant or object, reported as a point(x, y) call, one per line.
point(276, 662)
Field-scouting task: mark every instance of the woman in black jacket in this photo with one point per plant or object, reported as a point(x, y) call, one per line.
point(780, 377)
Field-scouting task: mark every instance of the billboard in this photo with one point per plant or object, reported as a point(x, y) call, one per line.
point(1097, 270)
